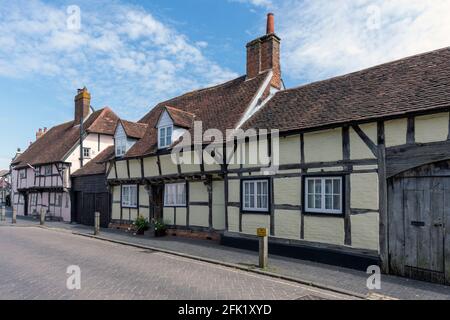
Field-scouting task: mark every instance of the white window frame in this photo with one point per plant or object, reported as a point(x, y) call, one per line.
point(177, 199)
point(255, 208)
point(88, 155)
point(129, 198)
point(322, 209)
point(162, 132)
point(121, 146)
point(23, 173)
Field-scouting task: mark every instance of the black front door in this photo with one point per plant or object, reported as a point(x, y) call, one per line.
point(25, 204)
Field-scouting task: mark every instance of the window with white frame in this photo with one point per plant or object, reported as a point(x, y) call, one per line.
point(48, 170)
point(255, 195)
point(129, 196)
point(165, 136)
point(323, 195)
point(121, 146)
point(23, 173)
point(86, 152)
point(175, 195)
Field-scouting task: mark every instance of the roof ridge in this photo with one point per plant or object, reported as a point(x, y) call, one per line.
point(365, 69)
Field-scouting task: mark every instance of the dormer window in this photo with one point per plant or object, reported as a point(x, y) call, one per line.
point(121, 146)
point(165, 136)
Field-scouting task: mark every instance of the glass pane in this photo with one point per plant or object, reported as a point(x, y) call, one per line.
point(252, 195)
point(318, 202)
point(264, 202)
point(337, 202)
point(265, 191)
point(328, 186)
point(169, 136)
point(328, 202)
point(310, 201)
point(310, 186)
point(318, 186)
point(336, 186)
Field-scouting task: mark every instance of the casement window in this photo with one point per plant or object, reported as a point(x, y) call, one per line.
point(323, 195)
point(86, 152)
point(164, 136)
point(255, 195)
point(23, 173)
point(121, 146)
point(129, 196)
point(175, 195)
point(48, 170)
point(58, 200)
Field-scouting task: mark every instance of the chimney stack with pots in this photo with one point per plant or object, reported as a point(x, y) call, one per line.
point(82, 105)
point(263, 54)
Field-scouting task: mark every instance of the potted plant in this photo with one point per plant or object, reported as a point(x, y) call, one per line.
point(140, 225)
point(160, 228)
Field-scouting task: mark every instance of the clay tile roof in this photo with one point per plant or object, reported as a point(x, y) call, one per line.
point(96, 165)
point(181, 118)
point(220, 107)
point(413, 84)
point(3, 172)
point(134, 129)
point(54, 145)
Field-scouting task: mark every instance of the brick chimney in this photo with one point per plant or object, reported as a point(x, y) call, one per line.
point(264, 54)
point(82, 104)
point(39, 133)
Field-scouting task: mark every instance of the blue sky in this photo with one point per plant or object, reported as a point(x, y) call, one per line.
point(132, 54)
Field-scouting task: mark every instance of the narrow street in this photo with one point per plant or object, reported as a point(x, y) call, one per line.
point(33, 264)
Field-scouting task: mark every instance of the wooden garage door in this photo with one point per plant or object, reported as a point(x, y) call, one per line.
point(88, 204)
point(419, 209)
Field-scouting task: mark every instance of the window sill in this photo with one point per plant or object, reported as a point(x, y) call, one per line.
point(246, 211)
point(175, 206)
point(129, 207)
point(324, 214)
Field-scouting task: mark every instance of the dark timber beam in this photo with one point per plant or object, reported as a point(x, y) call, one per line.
point(369, 143)
point(382, 198)
point(347, 195)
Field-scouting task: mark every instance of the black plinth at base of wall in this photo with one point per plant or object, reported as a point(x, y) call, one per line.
point(304, 252)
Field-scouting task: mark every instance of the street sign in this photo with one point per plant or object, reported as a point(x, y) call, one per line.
point(261, 232)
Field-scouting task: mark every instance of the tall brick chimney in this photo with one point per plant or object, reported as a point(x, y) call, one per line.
point(264, 54)
point(82, 104)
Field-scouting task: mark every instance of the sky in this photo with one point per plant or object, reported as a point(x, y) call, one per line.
point(133, 54)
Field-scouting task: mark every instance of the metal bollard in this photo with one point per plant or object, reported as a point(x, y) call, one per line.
point(42, 217)
point(97, 223)
point(14, 215)
point(263, 247)
point(2, 213)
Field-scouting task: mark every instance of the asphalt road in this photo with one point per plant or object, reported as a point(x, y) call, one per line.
point(34, 262)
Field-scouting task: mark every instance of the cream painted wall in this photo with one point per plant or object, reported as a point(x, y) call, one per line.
point(218, 209)
point(181, 216)
point(365, 231)
point(358, 149)
point(233, 219)
point(287, 224)
point(395, 132)
point(115, 214)
point(364, 191)
point(250, 222)
point(432, 128)
point(199, 216)
point(143, 196)
point(198, 191)
point(168, 215)
point(168, 167)
point(324, 229)
point(191, 162)
point(289, 149)
point(323, 146)
point(151, 167)
point(135, 168)
point(122, 172)
point(233, 191)
point(287, 190)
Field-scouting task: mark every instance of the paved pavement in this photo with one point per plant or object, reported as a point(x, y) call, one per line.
point(33, 264)
point(322, 274)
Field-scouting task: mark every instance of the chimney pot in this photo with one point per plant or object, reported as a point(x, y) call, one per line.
point(270, 23)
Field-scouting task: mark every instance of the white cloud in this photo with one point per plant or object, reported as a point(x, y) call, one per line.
point(267, 4)
point(127, 57)
point(322, 38)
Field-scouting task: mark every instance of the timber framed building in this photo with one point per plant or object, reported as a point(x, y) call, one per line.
point(41, 174)
point(363, 175)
